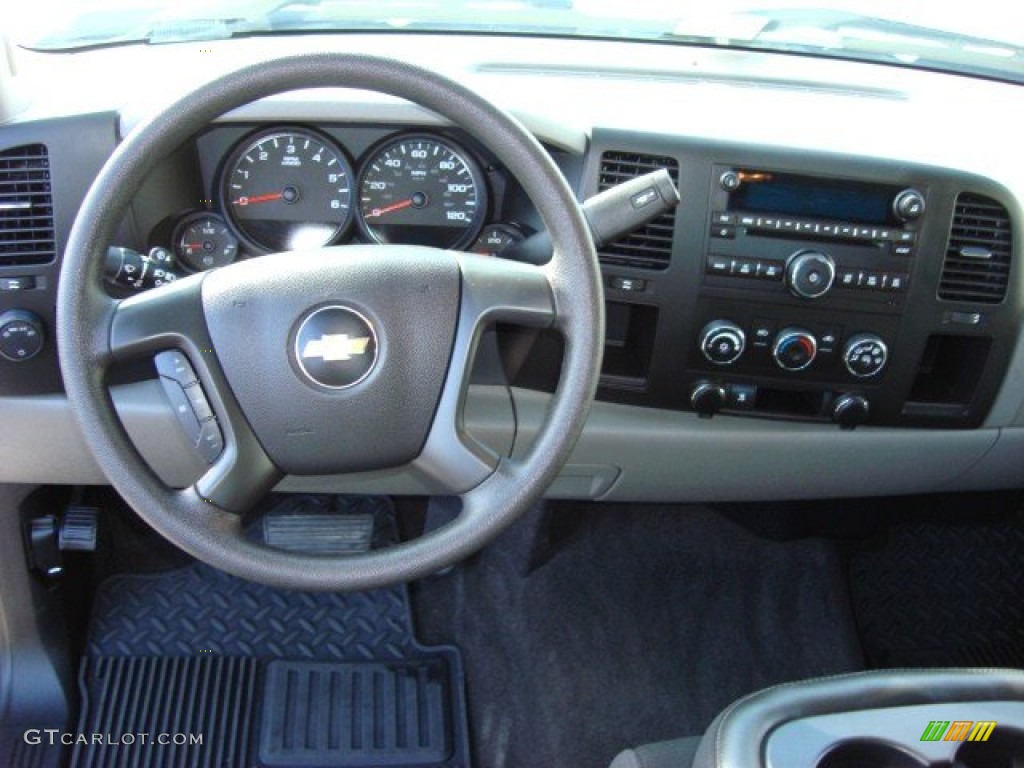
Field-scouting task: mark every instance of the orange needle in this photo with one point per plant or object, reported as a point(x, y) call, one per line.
point(257, 199)
point(389, 209)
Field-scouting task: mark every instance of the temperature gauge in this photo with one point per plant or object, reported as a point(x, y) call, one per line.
point(205, 242)
point(495, 238)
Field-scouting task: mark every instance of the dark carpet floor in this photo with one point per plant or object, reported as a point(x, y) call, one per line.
point(642, 625)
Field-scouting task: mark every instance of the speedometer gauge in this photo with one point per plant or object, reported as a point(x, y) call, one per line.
point(288, 189)
point(421, 190)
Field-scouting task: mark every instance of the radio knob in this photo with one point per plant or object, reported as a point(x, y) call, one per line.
point(849, 411)
point(865, 355)
point(810, 274)
point(794, 349)
point(908, 205)
point(722, 342)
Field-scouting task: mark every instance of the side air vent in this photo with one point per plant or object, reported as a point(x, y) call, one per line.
point(977, 266)
point(26, 207)
point(649, 247)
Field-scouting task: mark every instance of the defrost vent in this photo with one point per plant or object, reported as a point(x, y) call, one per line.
point(977, 266)
point(26, 207)
point(649, 247)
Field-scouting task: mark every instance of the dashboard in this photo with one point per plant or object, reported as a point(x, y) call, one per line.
point(835, 308)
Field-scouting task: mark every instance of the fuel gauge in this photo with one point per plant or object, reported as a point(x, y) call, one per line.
point(205, 242)
point(495, 238)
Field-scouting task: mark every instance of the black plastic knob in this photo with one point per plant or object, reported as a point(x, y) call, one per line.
point(794, 349)
point(908, 205)
point(707, 398)
point(722, 342)
point(849, 411)
point(21, 335)
point(810, 274)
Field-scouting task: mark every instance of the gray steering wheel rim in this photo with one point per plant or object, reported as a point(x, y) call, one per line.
point(214, 535)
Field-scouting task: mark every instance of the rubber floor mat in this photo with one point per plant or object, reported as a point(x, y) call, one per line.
point(266, 677)
point(933, 594)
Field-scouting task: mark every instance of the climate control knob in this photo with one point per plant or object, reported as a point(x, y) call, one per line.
point(722, 342)
point(865, 355)
point(810, 274)
point(794, 349)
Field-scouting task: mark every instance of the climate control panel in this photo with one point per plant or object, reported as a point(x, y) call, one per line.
point(792, 348)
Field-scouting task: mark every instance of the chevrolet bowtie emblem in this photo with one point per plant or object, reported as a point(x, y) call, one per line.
point(337, 346)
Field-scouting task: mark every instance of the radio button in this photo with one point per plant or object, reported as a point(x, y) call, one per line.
point(810, 274)
point(848, 278)
point(830, 229)
point(724, 218)
point(723, 230)
point(718, 265)
point(744, 268)
point(905, 237)
point(903, 249)
point(872, 280)
point(748, 221)
point(769, 270)
point(897, 282)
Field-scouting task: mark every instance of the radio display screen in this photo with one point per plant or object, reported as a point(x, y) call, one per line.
point(811, 198)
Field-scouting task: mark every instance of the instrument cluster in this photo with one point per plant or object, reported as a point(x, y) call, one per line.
point(291, 188)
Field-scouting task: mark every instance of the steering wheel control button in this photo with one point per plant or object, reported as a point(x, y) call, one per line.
point(197, 399)
point(865, 355)
point(211, 441)
point(795, 349)
point(335, 347)
point(175, 366)
point(810, 274)
point(21, 335)
point(722, 342)
point(182, 409)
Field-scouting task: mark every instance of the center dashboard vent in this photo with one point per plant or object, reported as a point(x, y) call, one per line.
point(26, 207)
point(649, 247)
point(977, 266)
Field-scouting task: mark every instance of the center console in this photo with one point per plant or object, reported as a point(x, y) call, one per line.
point(811, 288)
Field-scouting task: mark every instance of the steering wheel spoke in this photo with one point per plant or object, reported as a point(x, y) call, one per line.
point(493, 290)
point(172, 318)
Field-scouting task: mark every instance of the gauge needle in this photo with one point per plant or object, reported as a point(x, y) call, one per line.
point(258, 199)
point(389, 209)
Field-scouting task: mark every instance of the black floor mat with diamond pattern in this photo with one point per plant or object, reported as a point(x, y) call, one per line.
point(930, 594)
point(197, 648)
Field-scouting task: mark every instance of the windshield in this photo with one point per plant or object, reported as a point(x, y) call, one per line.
point(984, 37)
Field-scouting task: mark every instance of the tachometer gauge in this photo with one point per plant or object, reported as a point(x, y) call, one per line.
point(288, 189)
point(421, 190)
point(203, 241)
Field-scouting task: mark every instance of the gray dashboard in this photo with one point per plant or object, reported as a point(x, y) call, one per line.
point(703, 108)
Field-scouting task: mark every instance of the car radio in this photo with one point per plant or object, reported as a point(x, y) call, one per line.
point(804, 283)
point(777, 233)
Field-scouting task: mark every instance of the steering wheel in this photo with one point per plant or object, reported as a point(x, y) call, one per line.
point(411, 315)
